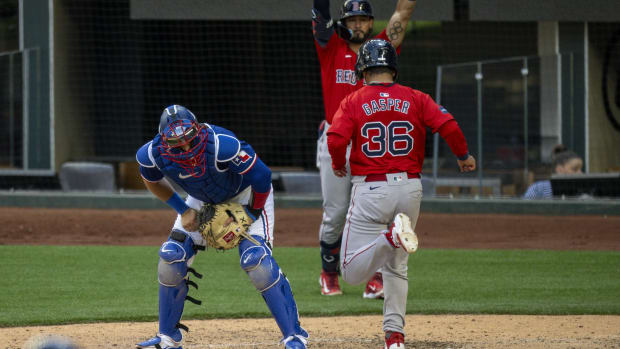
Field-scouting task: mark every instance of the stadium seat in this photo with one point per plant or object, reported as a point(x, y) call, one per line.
point(87, 176)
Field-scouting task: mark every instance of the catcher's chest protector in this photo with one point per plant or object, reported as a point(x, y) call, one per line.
point(213, 186)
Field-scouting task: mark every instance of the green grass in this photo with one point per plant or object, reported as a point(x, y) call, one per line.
point(71, 284)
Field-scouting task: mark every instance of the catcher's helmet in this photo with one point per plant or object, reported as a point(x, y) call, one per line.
point(352, 8)
point(376, 53)
point(179, 127)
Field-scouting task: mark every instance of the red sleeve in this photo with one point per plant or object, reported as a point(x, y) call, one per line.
point(258, 199)
point(433, 114)
point(339, 134)
point(324, 51)
point(337, 146)
point(452, 134)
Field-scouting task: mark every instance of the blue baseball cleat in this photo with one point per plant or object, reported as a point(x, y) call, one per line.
point(160, 341)
point(295, 342)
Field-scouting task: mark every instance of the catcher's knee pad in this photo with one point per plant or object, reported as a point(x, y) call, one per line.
point(330, 255)
point(258, 263)
point(174, 256)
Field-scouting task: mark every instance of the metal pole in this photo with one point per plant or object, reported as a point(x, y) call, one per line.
point(525, 73)
point(11, 114)
point(572, 103)
point(436, 135)
point(25, 110)
point(479, 78)
point(37, 96)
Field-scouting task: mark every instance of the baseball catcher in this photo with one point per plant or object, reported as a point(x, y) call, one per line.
point(229, 205)
point(224, 225)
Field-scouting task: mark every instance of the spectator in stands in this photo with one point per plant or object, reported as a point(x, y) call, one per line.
point(564, 162)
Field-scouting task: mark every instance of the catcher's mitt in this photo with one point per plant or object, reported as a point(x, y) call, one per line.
point(212, 220)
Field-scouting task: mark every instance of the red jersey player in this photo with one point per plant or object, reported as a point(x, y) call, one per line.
point(336, 44)
point(386, 123)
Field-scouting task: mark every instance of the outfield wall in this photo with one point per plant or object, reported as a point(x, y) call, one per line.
point(54, 199)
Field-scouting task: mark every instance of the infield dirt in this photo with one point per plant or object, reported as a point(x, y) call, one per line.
point(299, 227)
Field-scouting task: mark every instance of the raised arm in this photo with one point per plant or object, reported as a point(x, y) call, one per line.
point(322, 24)
point(397, 25)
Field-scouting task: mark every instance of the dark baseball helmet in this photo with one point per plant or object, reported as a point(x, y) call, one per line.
point(376, 53)
point(178, 127)
point(352, 8)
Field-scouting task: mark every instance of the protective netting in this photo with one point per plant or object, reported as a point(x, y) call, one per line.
point(261, 79)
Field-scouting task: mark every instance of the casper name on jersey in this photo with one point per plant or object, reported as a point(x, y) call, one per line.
point(385, 104)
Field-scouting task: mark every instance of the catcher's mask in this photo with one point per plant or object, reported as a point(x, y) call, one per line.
point(376, 53)
point(178, 127)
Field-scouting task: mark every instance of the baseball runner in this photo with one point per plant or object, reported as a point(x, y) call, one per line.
point(212, 166)
point(386, 123)
point(337, 44)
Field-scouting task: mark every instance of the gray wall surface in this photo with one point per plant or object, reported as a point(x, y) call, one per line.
point(435, 10)
point(146, 201)
point(546, 10)
point(36, 34)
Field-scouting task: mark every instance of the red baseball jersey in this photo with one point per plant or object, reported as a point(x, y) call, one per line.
point(338, 72)
point(387, 125)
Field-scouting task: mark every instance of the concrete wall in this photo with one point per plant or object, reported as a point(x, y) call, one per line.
point(38, 121)
point(546, 10)
point(550, 109)
point(603, 139)
point(270, 10)
point(68, 110)
point(146, 201)
point(573, 36)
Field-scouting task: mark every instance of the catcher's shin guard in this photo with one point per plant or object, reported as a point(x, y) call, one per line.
point(173, 282)
point(268, 279)
point(330, 256)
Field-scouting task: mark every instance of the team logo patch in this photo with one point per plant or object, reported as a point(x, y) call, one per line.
point(384, 94)
point(443, 110)
point(397, 178)
point(241, 158)
point(229, 236)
